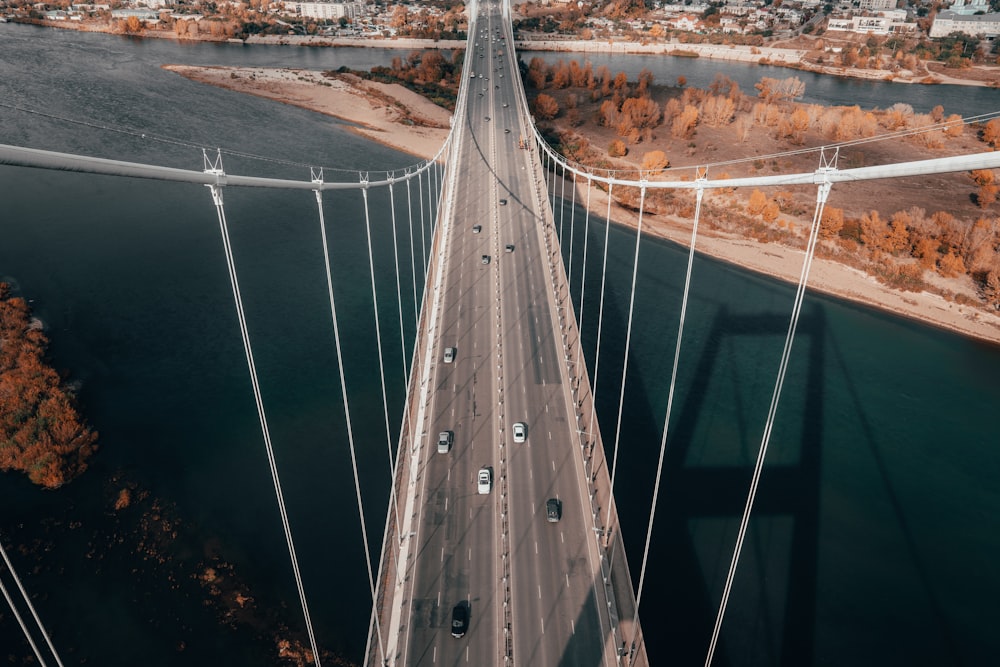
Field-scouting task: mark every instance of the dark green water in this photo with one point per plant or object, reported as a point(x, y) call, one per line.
point(874, 540)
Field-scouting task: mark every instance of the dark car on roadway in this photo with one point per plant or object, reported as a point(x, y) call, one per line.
point(460, 619)
point(553, 510)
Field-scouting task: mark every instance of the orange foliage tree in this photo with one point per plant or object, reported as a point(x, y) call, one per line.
point(546, 107)
point(41, 433)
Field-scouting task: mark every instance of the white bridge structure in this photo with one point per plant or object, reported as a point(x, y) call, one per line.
point(484, 240)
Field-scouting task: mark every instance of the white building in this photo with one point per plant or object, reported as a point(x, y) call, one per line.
point(876, 5)
point(979, 25)
point(888, 22)
point(970, 7)
point(325, 10)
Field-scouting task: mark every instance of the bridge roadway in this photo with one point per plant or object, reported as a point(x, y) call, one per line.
point(508, 367)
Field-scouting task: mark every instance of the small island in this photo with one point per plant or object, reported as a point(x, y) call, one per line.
point(41, 433)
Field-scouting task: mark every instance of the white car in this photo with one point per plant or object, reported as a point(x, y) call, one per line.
point(484, 481)
point(449, 355)
point(520, 432)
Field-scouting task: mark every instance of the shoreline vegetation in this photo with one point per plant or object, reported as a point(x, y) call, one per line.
point(41, 433)
point(795, 55)
point(945, 298)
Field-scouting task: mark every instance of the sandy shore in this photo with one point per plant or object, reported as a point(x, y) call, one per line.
point(382, 120)
point(390, 114)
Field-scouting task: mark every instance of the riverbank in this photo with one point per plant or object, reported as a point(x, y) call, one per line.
point(763, 55)
point(341, 99)
point(390, 114)
point(794, 58)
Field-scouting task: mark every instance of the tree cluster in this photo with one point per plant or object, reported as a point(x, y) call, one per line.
point(41, 433)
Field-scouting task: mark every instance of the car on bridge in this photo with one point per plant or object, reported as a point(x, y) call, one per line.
point(503, 202)
point(445, 441)
point(520, 429)
point(476, 229)
point(460, 619)
point(553, 510)
point(484, 481)
point(486, 259)
point(449, 355)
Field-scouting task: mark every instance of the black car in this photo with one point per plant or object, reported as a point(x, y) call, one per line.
point(553, 510)
point(460, 619)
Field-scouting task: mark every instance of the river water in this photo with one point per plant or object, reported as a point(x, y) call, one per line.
point(874, 540)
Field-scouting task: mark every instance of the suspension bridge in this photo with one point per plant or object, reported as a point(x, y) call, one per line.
point(501, 544)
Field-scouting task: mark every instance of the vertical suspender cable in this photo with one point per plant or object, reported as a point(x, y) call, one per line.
point(31, 608)
point(265, 431)
point(586, 236)
point(24, 628)
point(399, 289)
point(670, 403)
point(628, 343)
point(413, 255)
point(562, 207)
point(381, 363)
point(572, 228)
point(823, 191)
point(430, 206)
point(423, 237)
point(600, 312)
point(347, 415)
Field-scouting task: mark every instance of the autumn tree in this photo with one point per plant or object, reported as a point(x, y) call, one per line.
point(684, 124)
point(757, 202)
point(41, 433)
point(831, 223)
point(538, 73)
point(717, 110)
point(560, 75)
point(780, 90)
point(641, 112)
point(617, 148)
point(991, 133)
point(951, 265)
point(654, 161)
point(546, 107)
point(986, 180)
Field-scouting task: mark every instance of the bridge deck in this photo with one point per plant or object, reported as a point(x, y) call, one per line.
point(539, 592)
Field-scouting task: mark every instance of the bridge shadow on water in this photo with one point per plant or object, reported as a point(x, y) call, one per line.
point(715, 432)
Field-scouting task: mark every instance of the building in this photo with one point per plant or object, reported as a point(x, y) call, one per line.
point(876, 5)
point(978, 25)
point(887, 22)
point(971, 7)
point(325, 10)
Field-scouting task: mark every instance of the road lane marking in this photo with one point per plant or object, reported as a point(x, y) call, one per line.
point(539, 591)
point(536, 548)
point(553, 466)
point(572, 625)
point(543, 626)
point(442, 554)
point(567, 580)
point(470, 553)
